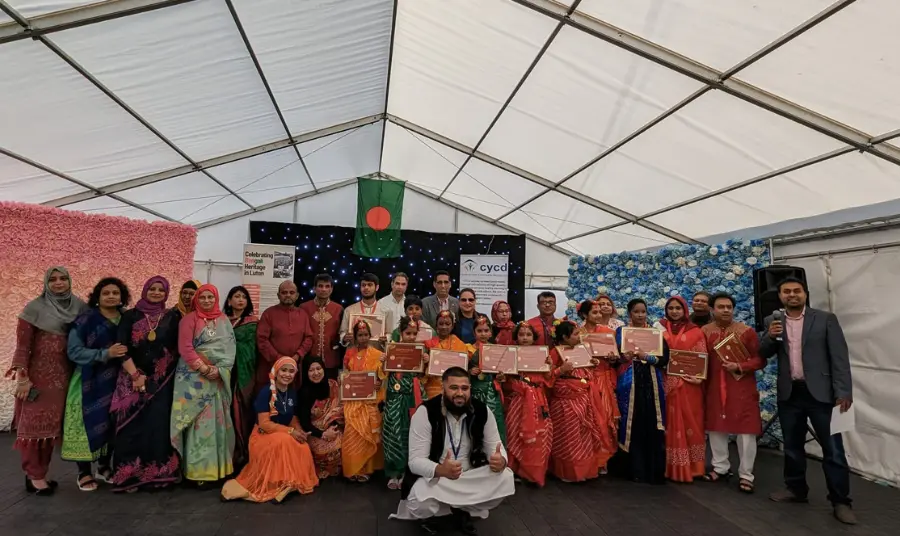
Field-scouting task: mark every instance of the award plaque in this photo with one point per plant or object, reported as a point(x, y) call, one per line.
point(441, 360)
point(580, 356)
point(404, 357)
point(732, 350)
point(375, 322)
point(532, 359)
point(642, 340)
point(683, 363)
point(601, 344)
point(496, 358)
point(358, 386)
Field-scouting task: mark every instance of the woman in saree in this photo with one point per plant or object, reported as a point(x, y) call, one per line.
point(405, 391)
point(528, 423)
point(42, 372)
point(321, 415)
point(444, 340)
point(501, 314)
point(280, 459)
point(581, 445)
point(93, 348)
point(486, 387)
point(591, 312)
point(642, 405)
point(239, 310)
point(361, 451)
point(141, 406)
point(685, 431)
point(201, 429)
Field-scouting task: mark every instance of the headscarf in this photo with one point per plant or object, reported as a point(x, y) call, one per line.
point(309, 390)
point(495, 315)
point(680, 326)
point(282, 361)
point(195, 303)
point(145, 306)
point(191, 283)
point(53, 312)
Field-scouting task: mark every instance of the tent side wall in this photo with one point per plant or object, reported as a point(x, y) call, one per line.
point(856, 278)
point(220, 247)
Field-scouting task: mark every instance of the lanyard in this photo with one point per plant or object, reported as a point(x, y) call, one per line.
point(455, 447)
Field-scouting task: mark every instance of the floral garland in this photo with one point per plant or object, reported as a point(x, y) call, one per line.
point(680, 270)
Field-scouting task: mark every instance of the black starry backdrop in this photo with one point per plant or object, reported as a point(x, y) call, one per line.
point(328, 249)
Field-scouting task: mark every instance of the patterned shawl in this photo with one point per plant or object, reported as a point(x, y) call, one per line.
point(98, 380)
point(53, 312)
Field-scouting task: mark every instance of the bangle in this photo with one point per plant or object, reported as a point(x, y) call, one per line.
point(136, 375)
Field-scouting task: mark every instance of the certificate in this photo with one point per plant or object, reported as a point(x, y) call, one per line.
point(683, 363)
point(496, 358)
point(732, 350)
point(375, 322)
point(404, 357)
point(580, 356)
point(532, 359)
point(441, 360)
point(358, 386)
point(601, 344)
point(642, 340)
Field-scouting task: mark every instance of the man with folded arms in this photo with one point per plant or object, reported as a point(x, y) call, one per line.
point(283, 331)
point(813, 378)
point(732, 400)
point(457, 463)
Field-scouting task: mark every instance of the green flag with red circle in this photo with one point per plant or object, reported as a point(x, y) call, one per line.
point(379, 206)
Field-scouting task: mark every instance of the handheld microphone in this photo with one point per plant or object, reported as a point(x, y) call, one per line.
point(779, 317)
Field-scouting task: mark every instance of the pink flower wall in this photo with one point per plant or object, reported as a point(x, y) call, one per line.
point(33, 238)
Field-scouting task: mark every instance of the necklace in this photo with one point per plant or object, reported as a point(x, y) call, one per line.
point(152, 335)
point(361, 356)
point(282, 399)
point(210, 328)
point(362, 306)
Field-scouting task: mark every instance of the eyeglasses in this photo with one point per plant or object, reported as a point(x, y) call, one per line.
point(467, 299)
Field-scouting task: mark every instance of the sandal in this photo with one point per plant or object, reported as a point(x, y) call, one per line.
point(104, 474)
point(394, 483)
point(745, 486)
point(714, 476)
point(362, 479)
point(87, 483)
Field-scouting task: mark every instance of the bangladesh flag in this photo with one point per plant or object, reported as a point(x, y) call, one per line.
point(379, 205)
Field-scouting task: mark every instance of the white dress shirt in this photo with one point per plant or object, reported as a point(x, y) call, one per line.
point(398, 311)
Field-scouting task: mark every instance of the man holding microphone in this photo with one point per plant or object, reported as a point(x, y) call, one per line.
point(813, 378)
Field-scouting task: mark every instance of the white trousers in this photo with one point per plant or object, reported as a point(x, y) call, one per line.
point(746, 444)
point(477, 491)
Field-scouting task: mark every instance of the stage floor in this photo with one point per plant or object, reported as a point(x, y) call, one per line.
point(337, 508)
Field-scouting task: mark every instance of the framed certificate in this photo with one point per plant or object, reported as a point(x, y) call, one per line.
point(601, 344)
point(359, 386)
point(684, 363)
point(647, 340)
point(532, 359)
point(497, 358)
point(440, 360)
point(404, 357)
point(580, 356)
point(732, 350)
point(375, 322)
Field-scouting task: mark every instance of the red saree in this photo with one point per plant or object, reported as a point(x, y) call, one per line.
point(529, 428)
point(685, 432)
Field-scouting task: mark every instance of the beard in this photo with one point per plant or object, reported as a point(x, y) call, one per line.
point(453, 409)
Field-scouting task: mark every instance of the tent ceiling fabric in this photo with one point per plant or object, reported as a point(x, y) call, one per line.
point(589, 125)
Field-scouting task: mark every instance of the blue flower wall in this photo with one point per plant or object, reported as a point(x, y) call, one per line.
point(673, 271)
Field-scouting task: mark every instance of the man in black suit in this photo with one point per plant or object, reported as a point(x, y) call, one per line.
point(813, 378)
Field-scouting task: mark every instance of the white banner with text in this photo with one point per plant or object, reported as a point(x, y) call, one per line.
point(488, 276)
point(265, 267)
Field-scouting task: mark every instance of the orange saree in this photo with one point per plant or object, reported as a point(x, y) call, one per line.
point(361, 450)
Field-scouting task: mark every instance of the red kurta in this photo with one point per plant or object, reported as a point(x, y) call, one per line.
point(282, 331)
point(325, 324)
point(732, 406)
point(542, 329)
point(685, 431)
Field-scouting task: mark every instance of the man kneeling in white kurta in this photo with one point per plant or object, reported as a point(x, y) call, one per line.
point(457, 464)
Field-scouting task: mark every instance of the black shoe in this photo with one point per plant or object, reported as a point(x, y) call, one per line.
point(428, 527)
point(788, 496)
point(464, 522)
point(43, 492)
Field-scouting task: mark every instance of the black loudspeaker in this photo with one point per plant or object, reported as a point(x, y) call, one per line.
point(765, 289)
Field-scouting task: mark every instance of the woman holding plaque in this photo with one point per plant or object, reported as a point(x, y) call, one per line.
point(280, 459)
point(321, 415)
point(685, 433)
point(239, 310)
point(361, 452)
point(530, 429)
point(486, 387)
point(405, 391)
point(642, 405)
point(201, 427)
point(581, 443)
point(445, 340)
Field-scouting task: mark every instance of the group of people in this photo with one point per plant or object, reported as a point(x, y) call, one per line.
point(156, 395)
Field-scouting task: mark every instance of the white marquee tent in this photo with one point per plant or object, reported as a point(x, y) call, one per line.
point(591, 126)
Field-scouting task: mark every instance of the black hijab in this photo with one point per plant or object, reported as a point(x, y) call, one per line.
point(309, 391)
